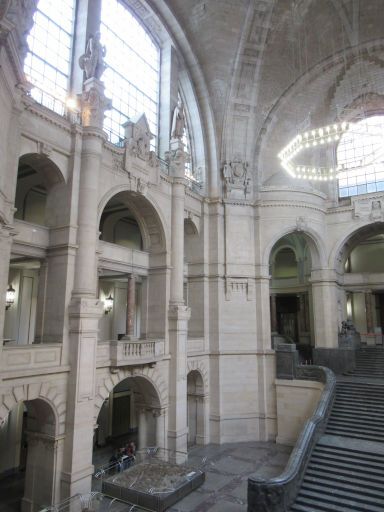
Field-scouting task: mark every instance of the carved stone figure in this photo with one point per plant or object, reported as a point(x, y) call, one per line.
point(92, 61)
point(237, 183)
point(93, 105)
point(178, 121)
point(376, 211)
point(138, 138)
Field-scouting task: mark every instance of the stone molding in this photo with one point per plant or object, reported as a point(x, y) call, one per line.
point(46, 391)
point(104, 385)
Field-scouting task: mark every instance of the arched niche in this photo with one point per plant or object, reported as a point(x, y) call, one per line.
point(195, 405)
point(41, 196)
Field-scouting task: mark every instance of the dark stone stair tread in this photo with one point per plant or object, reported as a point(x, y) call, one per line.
point(356, 425)
point(319, 505)
point(354, 457)
point(352, 494)
point(335, 431)
point(320, 475)
point(341, 458)
point(346, 469)
point(331, 498)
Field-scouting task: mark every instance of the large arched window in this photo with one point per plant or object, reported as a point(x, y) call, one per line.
point(47, 64)
point(361, 153)
point(132, 76)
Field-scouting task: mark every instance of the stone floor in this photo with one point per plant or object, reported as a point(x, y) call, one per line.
point(227, 468)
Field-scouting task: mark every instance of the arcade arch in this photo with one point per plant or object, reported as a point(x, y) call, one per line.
point(290, 292)
point(31, 452)
point(361, 263)
point(132, 265)
point(132, 411)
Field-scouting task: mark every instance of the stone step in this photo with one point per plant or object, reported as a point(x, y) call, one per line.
point(356, 425)
point(330, 502)
point(374, 463)
point(349, 469)
point(352, 453)
point(348, 494)
point(333, 476)
point(359, 416)
point(355, 435)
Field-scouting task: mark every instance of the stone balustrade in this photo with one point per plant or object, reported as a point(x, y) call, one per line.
point(125, 352)
point(30, 358)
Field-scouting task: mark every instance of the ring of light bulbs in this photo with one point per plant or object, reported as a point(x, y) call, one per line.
point(313, 138)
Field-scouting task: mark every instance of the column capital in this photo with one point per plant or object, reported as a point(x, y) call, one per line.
point(324, 275)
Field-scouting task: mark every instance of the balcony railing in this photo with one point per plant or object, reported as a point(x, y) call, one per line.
point(126, 353)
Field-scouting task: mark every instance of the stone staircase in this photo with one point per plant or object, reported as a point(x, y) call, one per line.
point(370, 363)
point(346, 470)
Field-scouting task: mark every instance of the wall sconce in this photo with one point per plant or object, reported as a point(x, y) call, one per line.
point(10, 297)
point(108, 304)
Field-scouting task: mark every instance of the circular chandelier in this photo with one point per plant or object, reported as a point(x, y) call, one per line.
point(317, 138)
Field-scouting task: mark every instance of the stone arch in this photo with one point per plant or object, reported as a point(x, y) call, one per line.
point(341, 250)
point(314, 242)
point(39, 174)
point(199, 366)
point(147, 213)
point(105, 387)
point(45, 391)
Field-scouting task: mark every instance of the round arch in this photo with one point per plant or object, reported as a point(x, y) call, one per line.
point(48, 394)
point(147, 214)
point(343, 248)
point(51, 173)
point(315, 244)
point(150, 375)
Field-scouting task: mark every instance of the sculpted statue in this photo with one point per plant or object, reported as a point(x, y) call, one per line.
point(92, 61)
point(178, 121)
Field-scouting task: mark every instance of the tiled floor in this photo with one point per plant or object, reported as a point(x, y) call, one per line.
point(227, 468)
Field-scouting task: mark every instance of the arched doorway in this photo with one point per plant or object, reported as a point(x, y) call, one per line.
point(131, 412)
point(30, 455)
point(195, 404)
point(290, 293)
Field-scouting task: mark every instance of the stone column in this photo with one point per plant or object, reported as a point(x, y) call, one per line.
point(368, 311)
point(273, 313)
point(131, 298)
point(43, 469)
point(142, 427)
point(85, 309)
point(158, 414)
point(178, 314)
point(324, 294)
